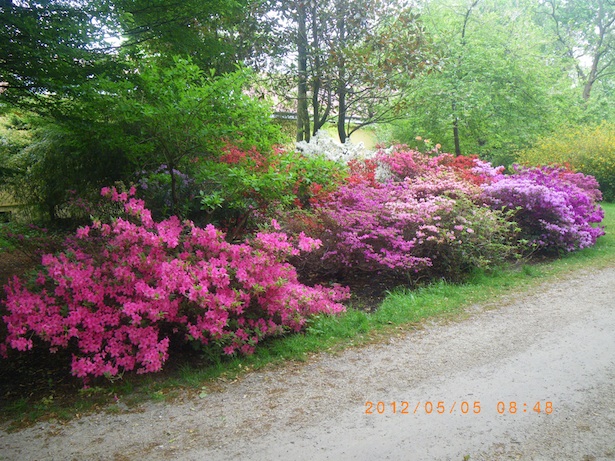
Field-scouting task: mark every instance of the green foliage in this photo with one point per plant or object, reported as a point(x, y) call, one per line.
point(492, 84)
point(158, 116)
point(180, 111)
point(585, 33)
point(50, 47)
point(65, 157)
point(491, 244)
point(15, 135)
point(244, 189)
point(213, 33)
point(589, 149)
point(358, 63)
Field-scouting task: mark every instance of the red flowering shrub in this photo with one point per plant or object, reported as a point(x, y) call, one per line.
point(404, 163)
point(362, 171)
point(470, 168)
point(124, 290)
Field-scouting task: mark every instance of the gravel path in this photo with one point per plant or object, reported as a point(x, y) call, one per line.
point(554, 347)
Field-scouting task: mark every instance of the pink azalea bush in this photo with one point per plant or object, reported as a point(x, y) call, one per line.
point(424, 217)
point(123, 291)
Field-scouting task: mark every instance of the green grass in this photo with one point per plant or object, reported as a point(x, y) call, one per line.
point(402, 310)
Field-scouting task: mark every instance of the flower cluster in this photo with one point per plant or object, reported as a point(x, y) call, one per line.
point(323, 144)
point(126, 289)
point(412, 227)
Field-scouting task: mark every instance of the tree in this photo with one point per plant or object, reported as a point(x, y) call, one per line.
point(212, 33)
point(498, 86)
point(586, 34)
point(350, 58)
point(83, 67)
point(52, 47)
point(158, 115)
point(178, 113)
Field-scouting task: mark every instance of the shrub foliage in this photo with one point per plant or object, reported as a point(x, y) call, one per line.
point(122, 290)
point(590, 150)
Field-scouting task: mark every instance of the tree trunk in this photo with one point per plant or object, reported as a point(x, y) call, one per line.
point(456, 137)
point(303, 117)
point(174, 199)
point(455, 94)
point(341, 70)
point(316, 71)
point(591, 78)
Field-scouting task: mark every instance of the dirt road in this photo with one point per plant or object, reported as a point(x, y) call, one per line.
point(470, 389)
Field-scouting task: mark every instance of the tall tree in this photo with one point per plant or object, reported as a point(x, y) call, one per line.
point(586, 33)
point(51, 47)
point(210, 32)
point(498, 87)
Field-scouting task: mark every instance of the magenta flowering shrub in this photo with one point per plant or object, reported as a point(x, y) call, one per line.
point(425, 217)
point(374, 229)
point(555, 208)
point(124, 290)
point(402, 228)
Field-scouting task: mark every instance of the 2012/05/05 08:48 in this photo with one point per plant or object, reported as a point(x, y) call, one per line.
point(441, 407)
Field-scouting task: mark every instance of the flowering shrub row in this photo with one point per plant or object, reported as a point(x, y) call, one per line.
point(412, 213)
point(124, 290)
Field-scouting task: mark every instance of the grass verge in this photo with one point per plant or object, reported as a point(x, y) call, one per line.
point(402, 310)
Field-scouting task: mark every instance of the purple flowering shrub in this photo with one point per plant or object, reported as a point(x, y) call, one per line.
point(122, 291)
point(373, 229)
point(554, 207)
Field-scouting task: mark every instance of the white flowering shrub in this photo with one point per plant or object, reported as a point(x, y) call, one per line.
point(322, 143)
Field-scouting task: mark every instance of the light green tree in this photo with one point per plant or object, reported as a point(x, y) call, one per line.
point(498, 87)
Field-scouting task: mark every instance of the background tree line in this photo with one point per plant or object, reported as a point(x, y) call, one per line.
point(107, 89)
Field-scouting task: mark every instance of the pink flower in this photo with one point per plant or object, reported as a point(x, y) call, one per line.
point(83, 232)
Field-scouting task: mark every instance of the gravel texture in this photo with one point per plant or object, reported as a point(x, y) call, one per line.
point(556, 345)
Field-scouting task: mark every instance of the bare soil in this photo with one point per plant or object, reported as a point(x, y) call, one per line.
point(453, 390)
